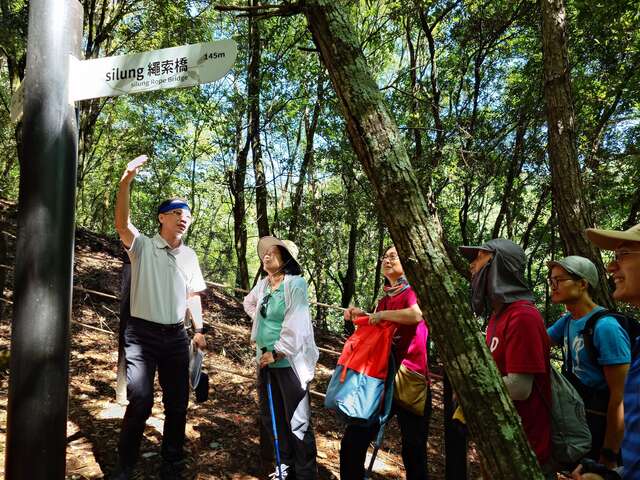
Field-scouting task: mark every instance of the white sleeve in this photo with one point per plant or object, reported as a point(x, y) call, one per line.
point(296, 327)
point(250, 302)
point(519, 385)
point(136, 245)
point(197, 283)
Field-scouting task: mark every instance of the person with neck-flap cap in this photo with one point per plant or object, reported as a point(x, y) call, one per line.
point(516, 336)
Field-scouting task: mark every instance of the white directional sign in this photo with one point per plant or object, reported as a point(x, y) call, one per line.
point(173, 67)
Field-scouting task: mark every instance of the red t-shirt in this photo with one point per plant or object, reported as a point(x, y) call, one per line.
point(410, 341)
point(519, 343)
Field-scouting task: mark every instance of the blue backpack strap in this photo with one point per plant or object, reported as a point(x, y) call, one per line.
point(629, 324)
point(568, 359)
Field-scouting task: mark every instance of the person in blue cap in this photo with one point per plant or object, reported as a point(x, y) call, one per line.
point(165, 281)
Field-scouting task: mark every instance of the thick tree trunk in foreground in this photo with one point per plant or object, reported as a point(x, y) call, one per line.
point(254, 125)
point(568, 194)
point(374, 135)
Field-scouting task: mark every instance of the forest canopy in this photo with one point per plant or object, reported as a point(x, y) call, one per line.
point(266, 150)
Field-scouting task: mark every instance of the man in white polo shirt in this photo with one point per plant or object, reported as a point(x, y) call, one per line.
point(165, 281)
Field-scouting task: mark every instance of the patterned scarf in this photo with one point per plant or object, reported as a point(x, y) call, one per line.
point(401, 285)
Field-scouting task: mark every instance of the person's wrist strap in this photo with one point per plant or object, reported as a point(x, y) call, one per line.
point(198, 330)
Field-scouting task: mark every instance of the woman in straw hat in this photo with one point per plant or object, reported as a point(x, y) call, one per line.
point(286, 351)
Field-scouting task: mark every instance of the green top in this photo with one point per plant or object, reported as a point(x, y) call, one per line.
point(269, 326)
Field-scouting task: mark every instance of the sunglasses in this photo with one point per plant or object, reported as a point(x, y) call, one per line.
point(263, 305)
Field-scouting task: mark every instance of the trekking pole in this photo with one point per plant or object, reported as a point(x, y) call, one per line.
point(367, 474)
point(273, 420)
point(376, 447)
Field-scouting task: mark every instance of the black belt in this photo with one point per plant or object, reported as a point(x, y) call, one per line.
point(157, 326)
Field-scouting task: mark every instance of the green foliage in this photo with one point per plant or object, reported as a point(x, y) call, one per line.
point(488, 60)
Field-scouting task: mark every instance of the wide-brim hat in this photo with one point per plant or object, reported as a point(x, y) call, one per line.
point(611, 239)
point(265, 243)
point(580, 266)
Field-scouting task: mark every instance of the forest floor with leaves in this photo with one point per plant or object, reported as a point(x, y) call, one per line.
point(222, 433)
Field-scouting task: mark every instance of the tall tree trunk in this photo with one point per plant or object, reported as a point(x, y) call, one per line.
point(414, 103)
point(515, 167)
point(542, 202)
point(378, 275)
point(436, 154)
point(634, 210)
point(307, 161)
point(3, 272)
point(14, 54)
point(348, 279)
point(568, 196)
point(319, 259)
point(417, 233)
point(236, 186)
point(254, 125)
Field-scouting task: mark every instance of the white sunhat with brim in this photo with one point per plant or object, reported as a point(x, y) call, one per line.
point(265, 243)
point(611, 239)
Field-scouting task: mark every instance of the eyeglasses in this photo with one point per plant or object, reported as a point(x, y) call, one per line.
point(555, 281)
point(179, 212)
point(263, 305)
point(618, 255)
point(391, 258)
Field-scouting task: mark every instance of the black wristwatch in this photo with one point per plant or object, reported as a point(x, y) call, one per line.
point(197, 330)
point(608, 454)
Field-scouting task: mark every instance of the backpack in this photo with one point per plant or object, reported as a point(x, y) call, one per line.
point(629, 324)
point(362, 385)
point(570, 435)
point(595, 400)
point(361, 388)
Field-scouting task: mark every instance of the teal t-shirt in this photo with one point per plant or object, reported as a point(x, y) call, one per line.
point(270, 325)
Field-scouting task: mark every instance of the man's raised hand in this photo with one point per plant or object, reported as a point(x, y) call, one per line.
point(132, 168)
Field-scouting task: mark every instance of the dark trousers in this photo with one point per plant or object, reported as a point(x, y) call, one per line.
point(148, 347)
point(292, 413)
point(414, 430)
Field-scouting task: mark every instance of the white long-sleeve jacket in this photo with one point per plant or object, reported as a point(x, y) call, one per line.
point(296, 340)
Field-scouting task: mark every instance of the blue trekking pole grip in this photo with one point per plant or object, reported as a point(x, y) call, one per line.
point(273, 419)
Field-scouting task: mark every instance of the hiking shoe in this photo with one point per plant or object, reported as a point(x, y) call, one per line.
point(285, 471)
